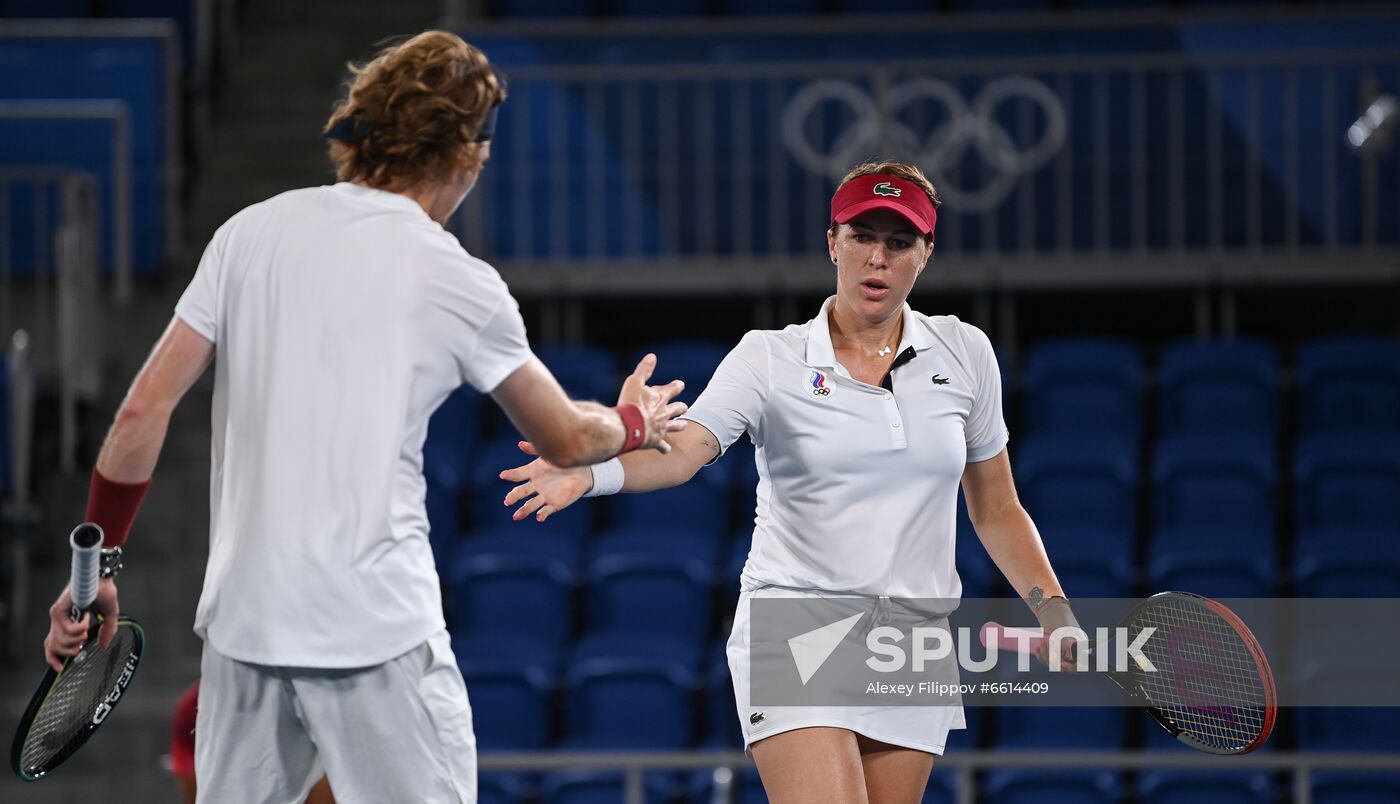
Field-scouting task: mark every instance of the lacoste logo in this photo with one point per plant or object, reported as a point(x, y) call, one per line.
point(755, 718)
point(937, 380)
point(884, 188)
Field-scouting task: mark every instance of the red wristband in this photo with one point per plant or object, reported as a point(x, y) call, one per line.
point(635, 424)
point(112, 506)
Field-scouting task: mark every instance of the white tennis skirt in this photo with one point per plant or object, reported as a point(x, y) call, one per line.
point(923, 728)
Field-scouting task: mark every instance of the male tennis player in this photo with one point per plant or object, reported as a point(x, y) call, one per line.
point(865, 420)
point(341, 317)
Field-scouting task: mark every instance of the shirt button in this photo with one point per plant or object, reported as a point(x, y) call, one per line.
point(896, 425)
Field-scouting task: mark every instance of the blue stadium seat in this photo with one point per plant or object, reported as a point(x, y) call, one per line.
point(1347, 561)
point(1225, 386)
point(443, 508)
point(1082, 494)
point(970, 738)
point(721, 717)
point(1047, 727)
point(1053, 787)
point(510, 693)
point(494, 592)
point(941, 789)
point(979, 576)
point(1349, 729)
point(1349, 384)
point(1084, 386)
point(1214, 480)
point(691, 361)
point(586, 372)
point(449, 451)
point(1215, 562)
point(502, 788)
point(511, 540)
point(739, 546)
point(652, 581)
point(739, 460)
point(631, 691)
point(1078, 480)
point(601, 787)
point(1348, 480)
point(701, 504)
point(1355, 787)
point(1194, 787)
point(489, 493)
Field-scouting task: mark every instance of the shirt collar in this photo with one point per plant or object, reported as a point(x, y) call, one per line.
point(821, 354)
point(380, 197)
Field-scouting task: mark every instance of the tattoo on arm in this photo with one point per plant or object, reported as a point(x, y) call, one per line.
point(712, 447)
point(1036, 598)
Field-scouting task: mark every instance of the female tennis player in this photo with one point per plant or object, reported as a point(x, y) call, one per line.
point(341, 317)
point(869, 413)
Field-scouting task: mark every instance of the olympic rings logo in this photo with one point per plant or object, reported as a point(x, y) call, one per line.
point(968, 126)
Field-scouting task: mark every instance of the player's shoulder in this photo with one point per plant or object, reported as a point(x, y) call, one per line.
point(790, 341)
point(951, 330)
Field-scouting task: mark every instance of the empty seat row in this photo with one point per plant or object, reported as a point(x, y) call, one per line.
point(1097, 386)
point(639, 581)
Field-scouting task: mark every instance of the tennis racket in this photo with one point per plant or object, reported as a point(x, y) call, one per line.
point(70, 704)
point(1210, 686)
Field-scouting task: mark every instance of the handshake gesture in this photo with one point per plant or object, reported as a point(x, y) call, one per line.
point(546, 488)
point(654, 401)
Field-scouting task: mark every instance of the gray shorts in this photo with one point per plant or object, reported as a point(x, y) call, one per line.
point(395, 732)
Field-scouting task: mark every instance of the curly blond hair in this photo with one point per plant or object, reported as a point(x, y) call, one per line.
point(414, 111)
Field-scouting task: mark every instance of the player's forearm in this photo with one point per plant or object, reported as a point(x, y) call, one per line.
point(650, 470)
point(1011, 539)
point(133, 445)
point(596, 434)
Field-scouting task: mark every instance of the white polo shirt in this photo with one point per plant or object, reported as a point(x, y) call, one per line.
point(342, 317)
point(858, 485)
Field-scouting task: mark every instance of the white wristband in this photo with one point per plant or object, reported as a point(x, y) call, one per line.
point(607, 478)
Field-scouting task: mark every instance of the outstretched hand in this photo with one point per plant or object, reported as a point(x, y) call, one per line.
point(544, 487)
point(655, 403)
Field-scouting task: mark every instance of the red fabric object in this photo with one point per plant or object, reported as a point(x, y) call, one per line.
point(112, 506)
point(878, 191)
point(635, 424)
point(182, 732)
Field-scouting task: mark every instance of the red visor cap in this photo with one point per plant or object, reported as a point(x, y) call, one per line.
point(878, 191)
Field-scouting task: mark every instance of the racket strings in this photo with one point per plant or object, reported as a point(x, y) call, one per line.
point(1207, 681)
point(67, 713)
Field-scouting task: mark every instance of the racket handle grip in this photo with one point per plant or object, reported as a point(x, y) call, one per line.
point(1004, 638)
point(86, 541)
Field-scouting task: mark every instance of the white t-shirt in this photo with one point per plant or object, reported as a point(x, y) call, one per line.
point(342, 317)
point(858, 486)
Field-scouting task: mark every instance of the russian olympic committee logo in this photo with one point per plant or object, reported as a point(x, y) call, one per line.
point(819, 386)
point(878, 128)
